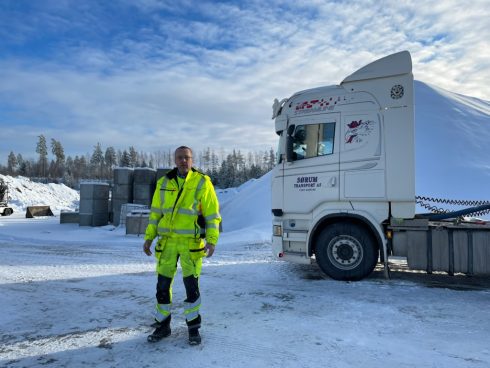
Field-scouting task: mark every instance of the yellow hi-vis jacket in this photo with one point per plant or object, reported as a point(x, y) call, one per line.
point(175, 211)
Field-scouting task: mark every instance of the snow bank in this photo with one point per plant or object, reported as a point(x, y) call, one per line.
point(451, 144)
point(23, 193)
point(248, 206)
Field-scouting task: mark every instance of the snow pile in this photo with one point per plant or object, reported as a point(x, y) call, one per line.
point(248, 206)
point(23, 193)
point(451, 144)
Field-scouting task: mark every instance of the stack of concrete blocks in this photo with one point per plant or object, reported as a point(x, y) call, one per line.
point(144, 185)
point(122, 191)
point(137, 218)
point(94, 204)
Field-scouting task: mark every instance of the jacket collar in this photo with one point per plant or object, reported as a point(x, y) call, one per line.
point(172, 174)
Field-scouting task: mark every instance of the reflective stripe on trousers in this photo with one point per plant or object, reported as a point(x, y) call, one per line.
point(162, 311)
point(191, 310)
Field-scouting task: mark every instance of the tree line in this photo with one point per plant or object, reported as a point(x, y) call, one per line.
point(225, 169)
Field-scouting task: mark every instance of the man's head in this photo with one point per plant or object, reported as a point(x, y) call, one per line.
point(183, 159)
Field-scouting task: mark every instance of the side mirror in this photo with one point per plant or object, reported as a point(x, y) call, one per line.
point(289, 143)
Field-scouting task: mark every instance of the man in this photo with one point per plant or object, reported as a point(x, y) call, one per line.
point(183, 211)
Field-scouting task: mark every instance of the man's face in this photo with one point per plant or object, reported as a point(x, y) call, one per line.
point(183, 160)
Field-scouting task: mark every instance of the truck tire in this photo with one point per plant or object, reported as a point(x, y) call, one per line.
point(346, 251)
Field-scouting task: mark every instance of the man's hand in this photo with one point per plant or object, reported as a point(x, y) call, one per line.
point(209, 249)
point(146, 247)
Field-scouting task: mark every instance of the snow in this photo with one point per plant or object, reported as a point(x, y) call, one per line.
point(451, 151)
point(23, 193)
point(83, 297)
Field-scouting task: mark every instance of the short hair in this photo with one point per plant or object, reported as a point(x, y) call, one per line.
point(183, 147)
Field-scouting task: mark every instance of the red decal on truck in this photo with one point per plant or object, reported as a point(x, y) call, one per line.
point(358, 129)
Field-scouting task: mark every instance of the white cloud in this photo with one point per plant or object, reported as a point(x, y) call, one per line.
point(209, 79)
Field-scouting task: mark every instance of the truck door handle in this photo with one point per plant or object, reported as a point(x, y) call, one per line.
point(333, 181)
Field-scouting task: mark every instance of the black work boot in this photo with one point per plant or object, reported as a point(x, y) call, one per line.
point(162, 330)
point(194, 337)
point(193, 326)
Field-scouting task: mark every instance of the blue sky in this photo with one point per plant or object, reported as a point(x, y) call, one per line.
point(158, 74)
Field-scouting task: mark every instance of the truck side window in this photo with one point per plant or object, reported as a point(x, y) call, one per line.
point(313, 140)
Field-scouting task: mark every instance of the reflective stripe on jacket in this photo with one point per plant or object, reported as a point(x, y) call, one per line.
point(174, 210)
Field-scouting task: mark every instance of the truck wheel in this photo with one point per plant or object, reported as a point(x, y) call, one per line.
point(346, 252)
point(7, 212)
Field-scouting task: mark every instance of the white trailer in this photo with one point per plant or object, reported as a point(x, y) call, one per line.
point(343, 190)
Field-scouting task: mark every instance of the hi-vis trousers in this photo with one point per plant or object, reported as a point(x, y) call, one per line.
point(168, 252)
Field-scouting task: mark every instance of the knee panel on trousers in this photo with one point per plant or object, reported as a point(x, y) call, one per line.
point(191, 284)
point(163, 289)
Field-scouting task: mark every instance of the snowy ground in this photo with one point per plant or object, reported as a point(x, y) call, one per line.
point(83, 297)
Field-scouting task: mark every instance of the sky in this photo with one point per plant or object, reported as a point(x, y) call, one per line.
point(160, 74)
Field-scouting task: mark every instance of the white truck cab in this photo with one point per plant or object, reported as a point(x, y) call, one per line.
point(345, 169)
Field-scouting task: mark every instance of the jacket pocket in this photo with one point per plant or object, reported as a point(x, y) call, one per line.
point(196, 249)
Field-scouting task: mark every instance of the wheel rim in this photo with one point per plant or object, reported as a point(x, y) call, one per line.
point(345, 252)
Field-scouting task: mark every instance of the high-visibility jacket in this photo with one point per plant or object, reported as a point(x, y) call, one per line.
point(175, 210)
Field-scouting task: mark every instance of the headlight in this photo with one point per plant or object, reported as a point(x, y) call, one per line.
point(277, 230)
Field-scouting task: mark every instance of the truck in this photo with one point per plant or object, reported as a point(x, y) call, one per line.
point(343, 187)
point(5, 210)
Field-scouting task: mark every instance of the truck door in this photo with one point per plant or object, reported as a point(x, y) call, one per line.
point(313, 175)
point(362, 168)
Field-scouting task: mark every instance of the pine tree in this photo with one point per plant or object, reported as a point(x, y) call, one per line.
point(20, 160)
point(97, 160)
point(272, 160)
point(133, 157)
point(110, 159)
point(83, 168)
point(25, 168)
point(59, 153)
point(69, 166)
point(125, 159)
point(11, 163)
point(206, 159)
point(42, 150)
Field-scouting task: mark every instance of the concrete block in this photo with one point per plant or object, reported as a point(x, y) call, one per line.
point(94, 191)
point(94, 206)
point(136, 223)
point(143, 192)
point(123, 175)
point(116, 211)
point(123, 191)
point(144, 175)
point(98, 219)
point(69, 218)
point(85, 219)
